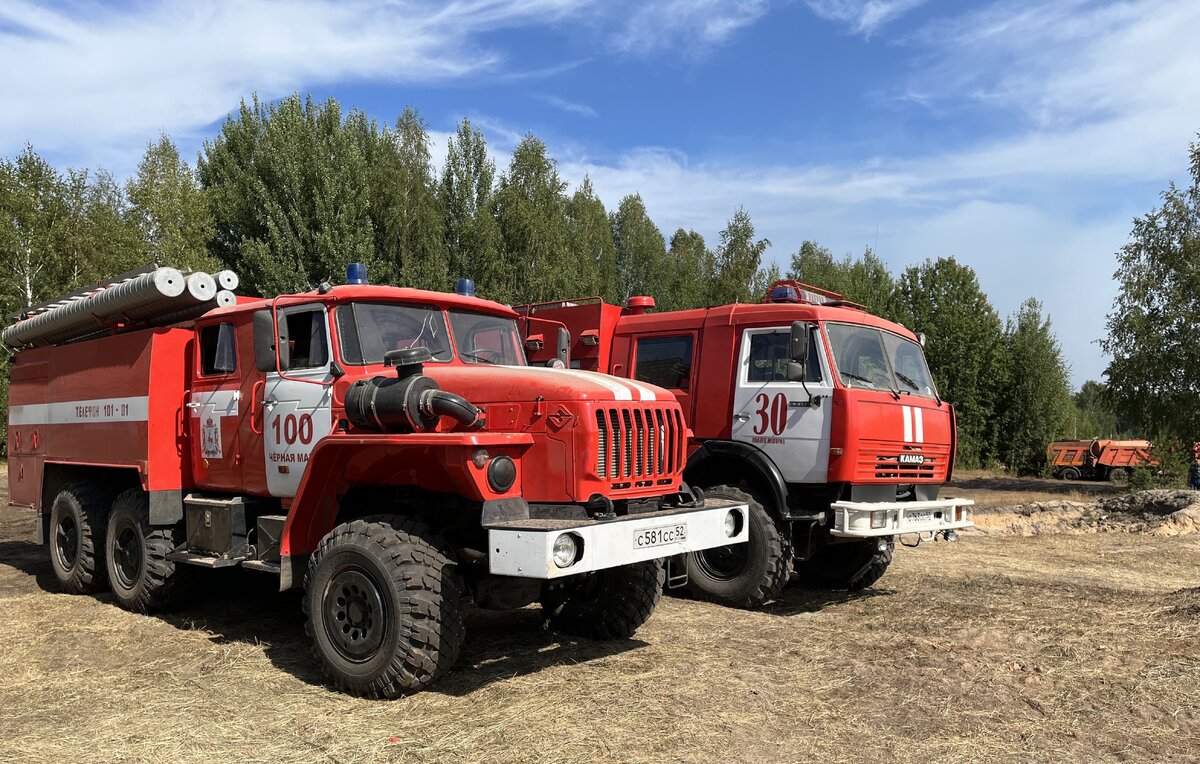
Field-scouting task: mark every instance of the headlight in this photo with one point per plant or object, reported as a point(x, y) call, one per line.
point(733, 523)
point(565, 550)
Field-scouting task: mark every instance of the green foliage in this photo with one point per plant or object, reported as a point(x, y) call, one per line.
point(406, 210)
point(169, 211)
point(531, 208)
point(641, 252)
point(472, 238)
point(737, 261)
point(692, 266)
point(865, 280)
point(1035, 401)
point(290, 194)
point(1093, 416)
point(965, 348)
point(591, 239)
point(1154, 375)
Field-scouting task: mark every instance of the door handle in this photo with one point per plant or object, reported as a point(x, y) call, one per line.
point(194, 405)
point(742, 417)
point(269, 403)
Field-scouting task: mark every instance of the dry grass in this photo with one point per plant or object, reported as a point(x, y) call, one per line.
point(996, 649)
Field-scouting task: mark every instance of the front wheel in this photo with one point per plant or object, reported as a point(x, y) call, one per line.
point(742, 575)
point(852, 565)
point(1069, 473)
point(385, 607)
point(1119, 476)
point(606, 604)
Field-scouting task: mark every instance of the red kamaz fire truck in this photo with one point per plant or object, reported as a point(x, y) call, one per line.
point(388, 449)
point(821, 417)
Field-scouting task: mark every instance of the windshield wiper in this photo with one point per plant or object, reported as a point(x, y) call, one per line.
point(860, 379)
point(908, 382)
point(479, 358)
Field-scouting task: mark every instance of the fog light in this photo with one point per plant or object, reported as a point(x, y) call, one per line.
point(879, 519)
point(733, 523)
point(502, 473)
point(565, 550)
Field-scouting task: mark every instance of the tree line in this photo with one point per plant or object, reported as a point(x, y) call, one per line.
point(287, 193)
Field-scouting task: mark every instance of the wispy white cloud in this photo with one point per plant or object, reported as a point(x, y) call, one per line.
point(862, 16)
point(654, 26)
point(570, 107)
point(93, 83)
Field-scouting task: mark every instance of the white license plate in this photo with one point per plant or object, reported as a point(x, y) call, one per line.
point(660, 536)
point(923, 516)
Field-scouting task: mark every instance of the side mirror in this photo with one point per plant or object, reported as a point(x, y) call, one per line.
point(266, 344)
point(564, 347)
point(797, 352)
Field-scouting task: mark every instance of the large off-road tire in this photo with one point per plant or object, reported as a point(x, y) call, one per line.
point(77, 520)
point(141, 577)
point(743, 575)
point(385, 606)
point(853, 565)
point(607, 604)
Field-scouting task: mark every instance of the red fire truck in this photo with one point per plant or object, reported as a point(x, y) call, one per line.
point(388, 449)
point(821, 417)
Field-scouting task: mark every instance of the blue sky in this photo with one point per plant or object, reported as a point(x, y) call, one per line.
point(1019, 137)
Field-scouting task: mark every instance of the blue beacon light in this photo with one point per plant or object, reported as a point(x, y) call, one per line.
point(356, 273)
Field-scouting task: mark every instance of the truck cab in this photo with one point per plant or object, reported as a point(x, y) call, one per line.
point(820, 414)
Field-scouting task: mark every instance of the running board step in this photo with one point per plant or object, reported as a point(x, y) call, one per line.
point(204, 560)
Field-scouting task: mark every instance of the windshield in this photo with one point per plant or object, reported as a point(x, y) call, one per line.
point(368, 330)
point(487, 339)
point(878, 360)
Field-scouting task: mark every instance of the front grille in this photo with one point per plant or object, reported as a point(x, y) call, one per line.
point(638, 442)
point(881, 461)
point(889, 466)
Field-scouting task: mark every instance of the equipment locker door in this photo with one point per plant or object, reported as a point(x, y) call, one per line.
point(789, 421)
point(297, 403)
point(215, 409)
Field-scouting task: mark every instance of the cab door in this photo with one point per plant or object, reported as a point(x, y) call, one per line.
point(789, 421)
point(215, 409)
point(297, 403)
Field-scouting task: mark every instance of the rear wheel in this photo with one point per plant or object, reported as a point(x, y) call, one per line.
point(77, 519)
point(385, 608)
point(854, 565)
point(743, 575)
point(142, 578)
point(607, 604)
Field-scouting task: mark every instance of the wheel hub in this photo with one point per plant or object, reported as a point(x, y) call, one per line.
point(722, 563)
point(127, 553)
point(66, 542)
point(354, 612)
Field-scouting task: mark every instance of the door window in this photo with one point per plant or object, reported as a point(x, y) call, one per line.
point(308, 343)
point(769, 355)
point(218, 350)
point(664, 361)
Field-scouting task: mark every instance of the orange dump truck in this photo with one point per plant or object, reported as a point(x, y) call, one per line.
point(1098, 459)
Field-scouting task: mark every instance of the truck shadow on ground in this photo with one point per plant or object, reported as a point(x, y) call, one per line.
point(237, 606)
point(797, 600)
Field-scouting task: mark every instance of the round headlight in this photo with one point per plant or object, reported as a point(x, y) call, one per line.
point(733, 523)
point(502, 473)
point(565, 550)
